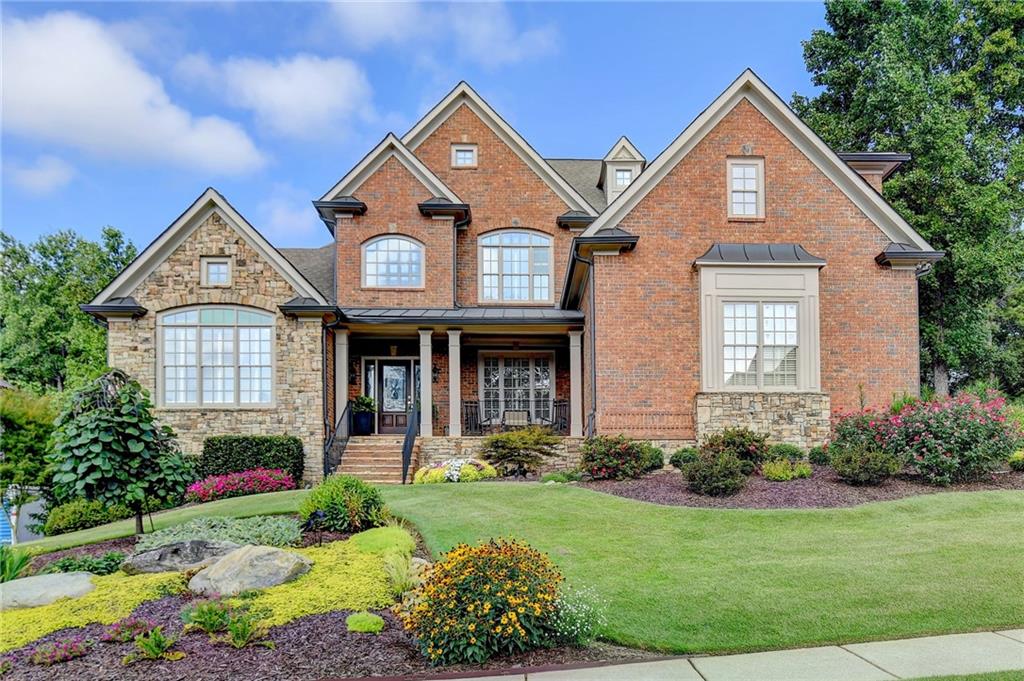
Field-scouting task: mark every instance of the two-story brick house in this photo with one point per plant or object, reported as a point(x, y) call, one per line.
point(748, 275)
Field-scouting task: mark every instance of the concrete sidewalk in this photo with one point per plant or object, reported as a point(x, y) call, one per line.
point(879, 661)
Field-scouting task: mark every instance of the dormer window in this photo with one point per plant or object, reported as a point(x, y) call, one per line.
point(464, 156)
point(215, 272)
point(623, 176)
point(746, 187)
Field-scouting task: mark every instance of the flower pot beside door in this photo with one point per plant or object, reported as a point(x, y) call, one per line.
point(363, 409)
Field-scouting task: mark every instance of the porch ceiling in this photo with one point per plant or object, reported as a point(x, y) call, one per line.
point(478, 319)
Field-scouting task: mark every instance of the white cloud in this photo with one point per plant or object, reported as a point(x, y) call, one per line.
point(47, 174)
point(69, 80)
point(287, 217)
point(483, 32)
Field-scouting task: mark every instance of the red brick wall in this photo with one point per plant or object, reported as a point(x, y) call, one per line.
point(391, 195)
point(502, 191)
point(648, 301)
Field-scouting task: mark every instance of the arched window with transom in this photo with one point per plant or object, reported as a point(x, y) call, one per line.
point(392, 262)
point(515, 267)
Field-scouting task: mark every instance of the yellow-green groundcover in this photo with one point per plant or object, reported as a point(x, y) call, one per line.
point(347, 575)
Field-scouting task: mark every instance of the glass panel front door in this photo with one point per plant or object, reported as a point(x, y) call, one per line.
point(394, 394)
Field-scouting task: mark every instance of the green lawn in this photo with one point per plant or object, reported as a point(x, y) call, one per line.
point(690, 580)
point(991, 676)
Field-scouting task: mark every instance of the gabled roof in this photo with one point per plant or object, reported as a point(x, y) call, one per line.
point(751, 88)
point(624, 150)
point(584, 174)
point(210, 201)
point(316, 265)
point(464, 95)
point(389, 147)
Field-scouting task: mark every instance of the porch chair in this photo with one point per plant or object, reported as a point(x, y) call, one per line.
point(515, 418)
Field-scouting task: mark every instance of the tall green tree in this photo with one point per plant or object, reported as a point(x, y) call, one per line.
point(943, 80)
point(46, 342)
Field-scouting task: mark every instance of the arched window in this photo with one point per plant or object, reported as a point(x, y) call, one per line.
point(515, 266)
point(392, 262)
point(216, 356)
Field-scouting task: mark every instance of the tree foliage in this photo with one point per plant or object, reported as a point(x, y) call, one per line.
point(26, 423)
point(46, 342)
point(943, 80)
point(108, 447)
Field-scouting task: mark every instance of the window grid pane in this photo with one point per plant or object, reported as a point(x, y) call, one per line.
point(780, 344)
point(518, 384)
point(739, 347)
point(515, 266)
point(216, 273)
point(623, 177)
point(743, 189)
point(393, 262)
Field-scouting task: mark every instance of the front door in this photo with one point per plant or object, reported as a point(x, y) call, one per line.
point(394, 389)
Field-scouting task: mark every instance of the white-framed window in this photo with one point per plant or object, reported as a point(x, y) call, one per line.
point(746, 187)
point(515, 267)
point(623, 176)
point(392, 262)
point(215, 271)
point(216, 356)
point(463, 155)
point(759, 344)
point(517, 383)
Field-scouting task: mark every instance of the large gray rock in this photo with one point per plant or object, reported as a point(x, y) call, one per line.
point(248, 568)
point(28, 592)
point(191, 554)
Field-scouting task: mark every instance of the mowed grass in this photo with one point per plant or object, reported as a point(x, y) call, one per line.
point(990, 676)
point(687, 580)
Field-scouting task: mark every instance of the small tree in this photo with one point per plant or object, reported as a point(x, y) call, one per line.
point(109, 447)
point(519, 452)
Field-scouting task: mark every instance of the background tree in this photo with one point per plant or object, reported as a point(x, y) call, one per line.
point(108, 447)
point(943, 80)
point(46, 342)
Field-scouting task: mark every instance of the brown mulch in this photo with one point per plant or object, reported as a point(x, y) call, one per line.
point(823, 490)
point(309, 648)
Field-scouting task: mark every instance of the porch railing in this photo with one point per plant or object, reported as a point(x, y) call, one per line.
point(410, 441)
point(486, 418)
point(337, 438)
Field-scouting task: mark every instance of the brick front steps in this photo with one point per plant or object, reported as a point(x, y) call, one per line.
point(377, 458)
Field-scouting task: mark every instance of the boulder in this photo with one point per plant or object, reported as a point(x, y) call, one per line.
point(248, 568)
point(191, 554)
point(28, 592)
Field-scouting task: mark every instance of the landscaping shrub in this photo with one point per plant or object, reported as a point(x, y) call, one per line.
point(48, 654)
point(236, 453)
point(81, 515)
point(715, 474)
point(208, 615)
point(1016, 461)
point(267, 530)
point(860, 465)
point(348, 504)
point(783, 470)
point(455, 470)
point(106, 564)
point(653, 457)
point(579, 616)
point(802, 469)
point(153, 645)
point(495, 598)
point(520, 451)
point(364, 623)
point(742, 443)
point(612, 457)
point(13, 562)
point(785, 451)
point(255, 481)
point(26, 424)
point(561, 477)
point(818, 456)
point(683, 456)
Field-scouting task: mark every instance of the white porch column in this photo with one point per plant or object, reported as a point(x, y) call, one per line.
point(426, 385)
point(575, 384)
point(340, 372)
point(454, 384)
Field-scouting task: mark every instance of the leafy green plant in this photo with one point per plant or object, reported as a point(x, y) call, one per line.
point(802, 469)
point(561, 476)
point(683, 456)
point(900, 402)
point(245, 628)
point(211, 616)
point(777, 470)
point(613, 457)
point(653, 457)
point(859, 465)
point(266, 530)
point(109, 448)
point(107, 564)
point(13, 562)
point(742, 443)
point(224, 454)
point(785, 451)
point(521, 451)
point(578, 617)
point(49, 654)
point(81, 514)
point(818, 456)
point(348, 504)
point(715, 474)
point(126, 630)
point(363, 404)
point(364, 623)
point(1016, 461)
point(153, 645)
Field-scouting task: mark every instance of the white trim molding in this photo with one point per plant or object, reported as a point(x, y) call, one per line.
point(752, 89)
point(204, 277)
point(757, 162)
point(458, 148)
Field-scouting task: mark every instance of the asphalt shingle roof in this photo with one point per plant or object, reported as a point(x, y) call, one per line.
point(582, 174)
point(316, 265)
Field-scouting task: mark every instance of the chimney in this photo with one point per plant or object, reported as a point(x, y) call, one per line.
point(874, 166)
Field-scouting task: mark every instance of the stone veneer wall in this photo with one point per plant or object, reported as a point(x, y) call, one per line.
point(437, 449)
point(298, 375)
point(801, 419)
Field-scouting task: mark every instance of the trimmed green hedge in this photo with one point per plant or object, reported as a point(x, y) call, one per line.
point(236, 453)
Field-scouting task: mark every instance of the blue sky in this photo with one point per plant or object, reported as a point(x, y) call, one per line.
point(123, 113)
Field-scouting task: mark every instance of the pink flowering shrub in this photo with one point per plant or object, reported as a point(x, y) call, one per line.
point(948, 441)
point(255, 481)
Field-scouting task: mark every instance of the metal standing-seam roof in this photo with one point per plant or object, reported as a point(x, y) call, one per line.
point(462, 315)
point(758, 254)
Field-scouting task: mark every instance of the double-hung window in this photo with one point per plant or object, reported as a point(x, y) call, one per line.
point(746, 187)
point(515, 266)
point(392, 262)
point(759, 344)
point(216, 356)
point(516, 383)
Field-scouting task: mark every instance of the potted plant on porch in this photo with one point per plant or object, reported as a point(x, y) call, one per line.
point(363, 409)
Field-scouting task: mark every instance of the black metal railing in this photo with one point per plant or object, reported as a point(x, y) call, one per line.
point(480, 419)
point(337, 438)
point(411, 431)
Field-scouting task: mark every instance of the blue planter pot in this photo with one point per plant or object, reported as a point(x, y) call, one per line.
point(362, 423)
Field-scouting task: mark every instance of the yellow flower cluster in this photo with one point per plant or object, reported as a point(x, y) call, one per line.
point(493, 598)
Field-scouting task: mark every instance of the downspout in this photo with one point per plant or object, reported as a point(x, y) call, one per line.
point(456, 226)
point(593, 332)
point(323, 371)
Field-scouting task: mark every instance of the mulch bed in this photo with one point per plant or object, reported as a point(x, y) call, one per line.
point(125, 545)
point(824, 490)
point(308, 648)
